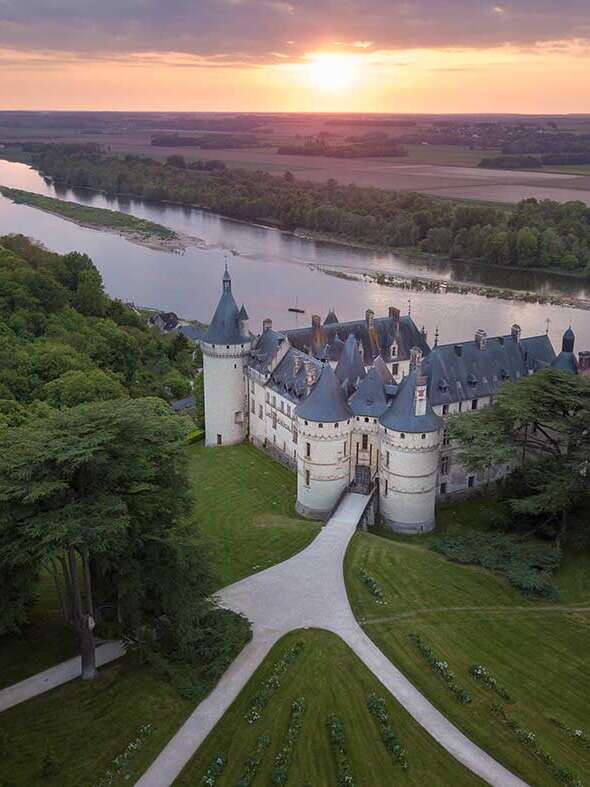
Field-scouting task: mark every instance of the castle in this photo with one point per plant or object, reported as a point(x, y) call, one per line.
point(360, 404)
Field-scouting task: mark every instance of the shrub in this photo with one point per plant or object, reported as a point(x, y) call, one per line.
point(528, 566)
point(195, 436)
point(373, 586)
point(284, 758)
point(578, 734)
point(253, 762)
point(271, 684)
point(441, 667)
point(392, 743)
point(483, 675)
point(214, 771)
point(345, 777)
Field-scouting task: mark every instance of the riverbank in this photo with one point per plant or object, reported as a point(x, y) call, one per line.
point(139, 231)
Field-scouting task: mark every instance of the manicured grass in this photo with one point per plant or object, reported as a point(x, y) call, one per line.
point(536, 649)
point(45, 641)
point(87, 725)
point(332, 680)
point(244, 508)
point(89, 216)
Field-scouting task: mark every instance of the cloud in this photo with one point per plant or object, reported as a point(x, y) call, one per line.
point(256, 30)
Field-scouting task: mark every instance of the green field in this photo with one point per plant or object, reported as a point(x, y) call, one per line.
point(538, 650)
point(447, 155)
point(245, 510)
point(332, 680)
point(88, 216)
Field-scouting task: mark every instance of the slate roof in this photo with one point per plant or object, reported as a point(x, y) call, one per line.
point(327, 401)
point(331, 317)
point(195, 331)
point(475, 373)
point(566, 361)
point(369, 398)
point(375, 340)
point(225, 325)
point(178, 405)
point(264, 349)
point(350, 368)
point(401, 415)
point(288, 382)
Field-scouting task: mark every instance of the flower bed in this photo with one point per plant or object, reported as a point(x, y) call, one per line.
point(373, 586)
point(266, 689)
point(121, 761)
point(579, 735)
point(284, 758)
point(392, 742)
point(214, 770)
point(483, 675)
point(253, 762)
point(441, 668)
point(344, 775)
point(528, 738)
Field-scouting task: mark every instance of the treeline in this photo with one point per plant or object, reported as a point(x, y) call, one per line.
point(358, 149)
point(532, 234)
point(63, 342)
point(535, 162)
point(206, 141)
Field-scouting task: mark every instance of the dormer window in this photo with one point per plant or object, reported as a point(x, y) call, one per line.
point(472, 379)
point(443, 385)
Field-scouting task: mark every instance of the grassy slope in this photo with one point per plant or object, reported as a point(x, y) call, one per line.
point(540, 655)
point(332, 680)
point(89, 216)
point(244, 507)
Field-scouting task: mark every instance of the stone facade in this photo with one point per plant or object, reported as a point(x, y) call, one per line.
point(361, 404)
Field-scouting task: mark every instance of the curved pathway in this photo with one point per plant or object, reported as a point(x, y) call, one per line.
point(308, 591)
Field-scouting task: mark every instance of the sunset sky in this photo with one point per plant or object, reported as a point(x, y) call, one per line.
point(296, 55)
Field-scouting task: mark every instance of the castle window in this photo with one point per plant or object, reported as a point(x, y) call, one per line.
point(446, 438)
point(471, 481)
point(366, 420)
point(274, 401)
point(444, 465)
point(387, 459)
point(252, 406)
point(218, 439)
point(474, 404)
point(336, 426)
point(267, 397)
point(295, 436)
point(308, 450)
point(252, 386)
point(307, 478)
point(235, 365)
point(227, 346)
point(365, 442)
point(402, 436)
point(386, 487)
point(282, 406)
point(289, 410)
point(345, 448)
point(423, 436)
point(260, 411)
point(320, 426)
point(445, 409)
point(274, 420)
point(394, 368)
point(443, 489)
point(306, 423)
point(460, 406)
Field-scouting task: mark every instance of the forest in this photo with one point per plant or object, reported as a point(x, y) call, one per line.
point(533, 234)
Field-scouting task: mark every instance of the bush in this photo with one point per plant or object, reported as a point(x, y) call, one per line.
point(266, 689)
point(528, 565)
point(441, 667)
point(392, 743)
point(195, 436)
point(345, 777)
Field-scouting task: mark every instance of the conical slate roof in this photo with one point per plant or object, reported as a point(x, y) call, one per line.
point(381, 368)
point(225, 325)
point(331, 317)
point(350, 366)
point(401, 416)
point(326, 402)
point(369, 398)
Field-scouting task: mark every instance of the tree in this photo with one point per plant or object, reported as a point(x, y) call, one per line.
point(541, 424)
point(76, 387)
point(97, 490)
point(526, 246)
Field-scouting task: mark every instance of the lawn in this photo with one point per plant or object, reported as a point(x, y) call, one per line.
point(448, 155)
point(537, 650)
point(332, 680)
point(245, 510)
point(84, 726)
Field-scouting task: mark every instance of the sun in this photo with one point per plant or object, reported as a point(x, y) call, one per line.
point(332, 72)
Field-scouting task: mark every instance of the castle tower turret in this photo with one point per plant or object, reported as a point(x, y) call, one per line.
point(411, 435)
point(225, 347)
point(323, 446)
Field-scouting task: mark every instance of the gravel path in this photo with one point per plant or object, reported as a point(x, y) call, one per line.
point(308, 591)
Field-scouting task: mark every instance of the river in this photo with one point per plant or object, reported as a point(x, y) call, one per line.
point(273, 270)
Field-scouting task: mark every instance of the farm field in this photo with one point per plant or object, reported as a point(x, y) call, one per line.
point(534, 649)
point(331, 679)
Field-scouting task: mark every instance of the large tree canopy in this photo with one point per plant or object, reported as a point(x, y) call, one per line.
point(540, 424)
point(97, 495)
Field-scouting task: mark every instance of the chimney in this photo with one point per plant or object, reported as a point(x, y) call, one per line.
point(310, 372)
point(415, 357)
point(267, 325)
point(316, 321)
point(458, 350)
point(481, 339)
point(515, 333)
point(369, 317)
point(420, 395)
point(297, 363)
point(394, 314)
point(584, 362)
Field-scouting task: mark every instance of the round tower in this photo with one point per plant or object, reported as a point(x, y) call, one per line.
point(225, 348)
point(411, 437)
point(323, 445)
